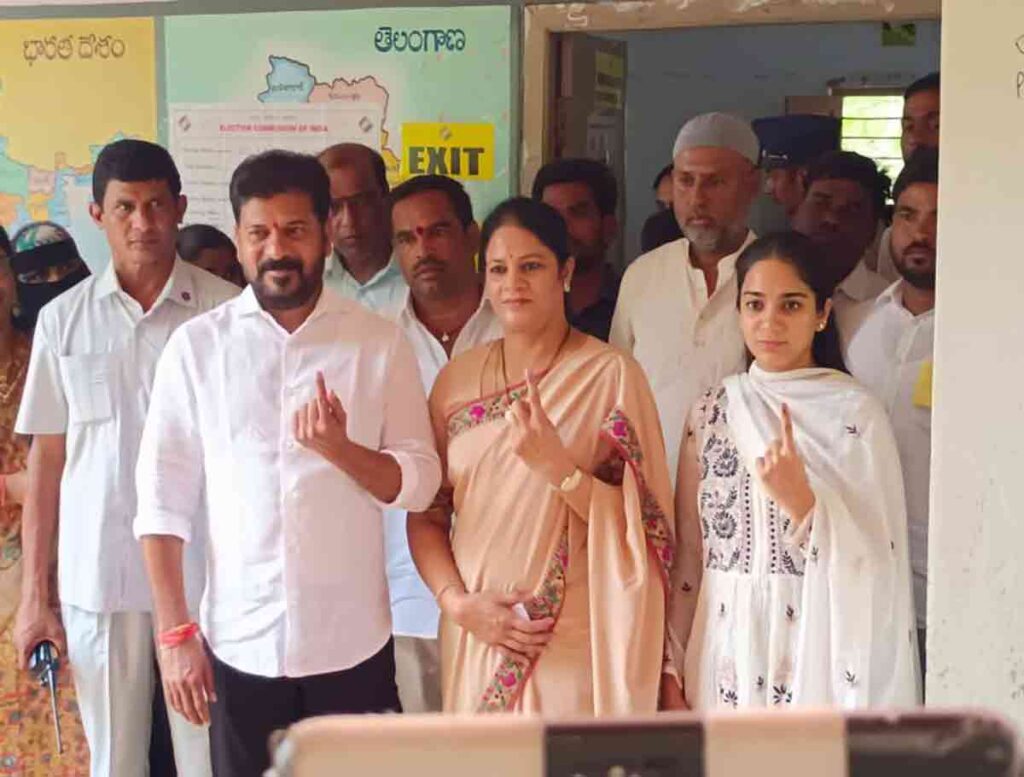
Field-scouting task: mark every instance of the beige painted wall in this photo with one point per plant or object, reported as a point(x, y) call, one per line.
point(976, 560)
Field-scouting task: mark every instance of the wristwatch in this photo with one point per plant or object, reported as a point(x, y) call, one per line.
point(571, 481)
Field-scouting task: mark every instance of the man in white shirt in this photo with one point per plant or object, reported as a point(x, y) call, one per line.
point(919, 129)
point(445, 313)
point(298, 417)
point(677, 309)
point(359, 265)
point(844, 204)
point(86, 394)
point(888, 348)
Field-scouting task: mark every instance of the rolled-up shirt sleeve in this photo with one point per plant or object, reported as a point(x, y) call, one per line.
point(408, 437)
point(169, 472)
point(44, 407)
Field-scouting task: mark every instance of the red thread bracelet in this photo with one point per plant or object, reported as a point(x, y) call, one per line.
point(179, 635)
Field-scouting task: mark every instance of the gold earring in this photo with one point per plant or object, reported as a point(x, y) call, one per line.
point(567, 285)
point(821, 327)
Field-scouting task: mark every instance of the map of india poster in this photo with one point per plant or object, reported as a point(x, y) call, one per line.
point(67, 88)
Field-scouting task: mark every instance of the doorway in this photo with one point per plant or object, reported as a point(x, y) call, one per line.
point(616, 81)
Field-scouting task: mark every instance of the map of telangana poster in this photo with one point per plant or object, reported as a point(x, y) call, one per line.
point(67, 88)
point(429, 88)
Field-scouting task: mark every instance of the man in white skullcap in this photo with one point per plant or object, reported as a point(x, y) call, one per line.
point(677, 306)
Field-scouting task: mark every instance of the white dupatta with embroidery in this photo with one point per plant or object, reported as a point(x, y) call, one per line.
point(850, 640)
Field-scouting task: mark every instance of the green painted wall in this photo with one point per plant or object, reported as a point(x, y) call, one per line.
point(175, 7)
point(186, 7)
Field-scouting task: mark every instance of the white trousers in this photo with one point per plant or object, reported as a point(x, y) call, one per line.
point(418, 674)
point(111, 658)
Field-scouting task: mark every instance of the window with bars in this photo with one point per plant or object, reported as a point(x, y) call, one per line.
point(872, 127)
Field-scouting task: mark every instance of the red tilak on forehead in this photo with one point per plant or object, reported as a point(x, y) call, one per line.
point(421, 230)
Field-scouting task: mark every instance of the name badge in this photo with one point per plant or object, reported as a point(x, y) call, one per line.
point(923, 388)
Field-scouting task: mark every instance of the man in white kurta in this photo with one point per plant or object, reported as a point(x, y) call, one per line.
point(677, 311)
point(444, 314)
point(888, 347)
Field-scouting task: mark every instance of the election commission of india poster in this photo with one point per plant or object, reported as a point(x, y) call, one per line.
point(67, 88)
point(428, 88)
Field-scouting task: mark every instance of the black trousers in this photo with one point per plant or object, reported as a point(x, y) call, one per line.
point(250, 708)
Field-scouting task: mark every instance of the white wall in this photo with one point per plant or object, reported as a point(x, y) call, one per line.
point(976, 560)
point(677, 74)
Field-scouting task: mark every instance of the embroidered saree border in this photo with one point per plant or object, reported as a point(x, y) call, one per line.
point(509, 679)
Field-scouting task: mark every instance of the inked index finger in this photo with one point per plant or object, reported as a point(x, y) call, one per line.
point(788, 442)
point(321, 388)
point(532, 394)
point(323, 397)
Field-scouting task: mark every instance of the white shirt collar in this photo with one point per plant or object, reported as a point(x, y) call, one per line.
point(328, 302)
point(333, 266)
point(408, 310)
point(861, 284)
point(727, 264)
point(893, 296)
point(180, 286)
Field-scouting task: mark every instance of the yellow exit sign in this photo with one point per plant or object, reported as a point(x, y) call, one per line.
point(462, 151)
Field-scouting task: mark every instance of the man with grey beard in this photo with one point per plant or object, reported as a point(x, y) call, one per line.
point(677, 306)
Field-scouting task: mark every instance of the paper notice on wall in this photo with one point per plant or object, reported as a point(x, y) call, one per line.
point(604, 137)
point(609, 80)
point(209, 141)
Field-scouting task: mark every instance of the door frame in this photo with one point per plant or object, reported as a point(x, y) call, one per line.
point(543, 21)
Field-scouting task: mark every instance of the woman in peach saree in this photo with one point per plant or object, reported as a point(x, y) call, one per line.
point(550, 544)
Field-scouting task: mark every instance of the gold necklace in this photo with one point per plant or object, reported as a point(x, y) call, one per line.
point(558, 352)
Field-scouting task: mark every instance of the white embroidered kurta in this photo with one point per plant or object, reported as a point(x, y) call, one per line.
point(817, 616)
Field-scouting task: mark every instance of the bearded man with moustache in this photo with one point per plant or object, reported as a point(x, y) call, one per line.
point(676, 312)
point(435, 240)
point(888, 345)
point(282, 425)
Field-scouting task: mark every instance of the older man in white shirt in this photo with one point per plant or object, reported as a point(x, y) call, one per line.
point(300, 416)
point(436, 240)
point(86, 395)
point(841, 212)
point(888, 347)
point(677, 309)
point(359, 264)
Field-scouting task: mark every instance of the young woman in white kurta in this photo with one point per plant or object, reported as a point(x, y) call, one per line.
point(794, 584)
